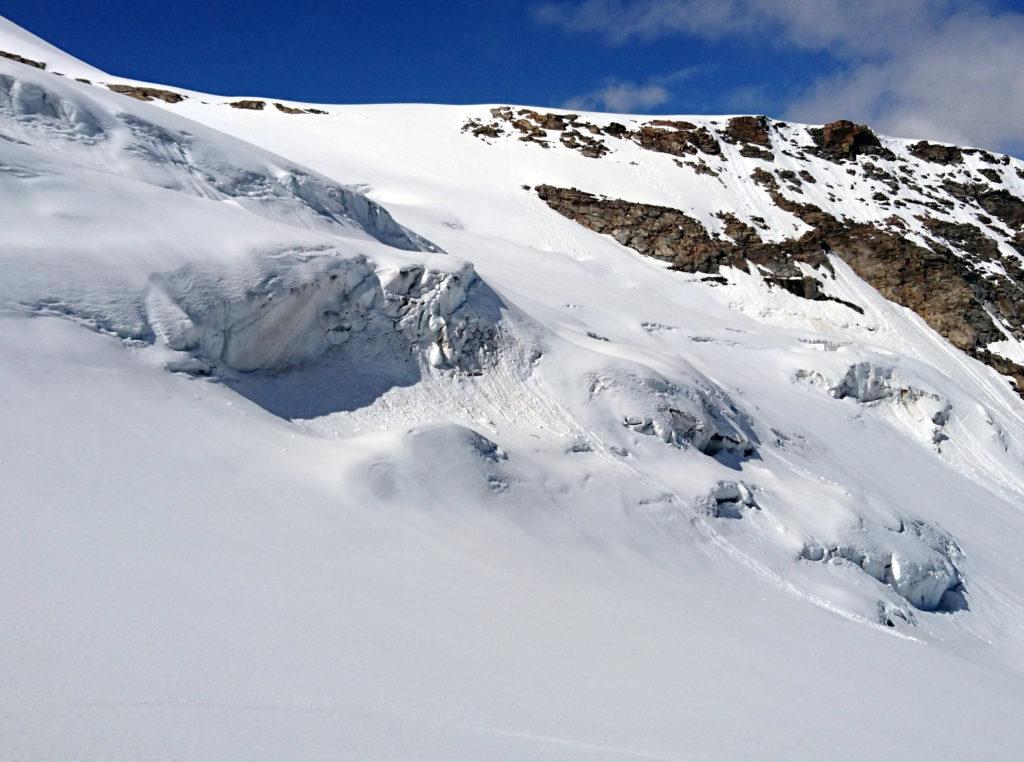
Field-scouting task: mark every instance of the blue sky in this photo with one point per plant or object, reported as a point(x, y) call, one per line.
point(803, 59)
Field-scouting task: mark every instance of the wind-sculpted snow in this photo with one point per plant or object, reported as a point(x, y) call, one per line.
point(278, 311)
point(870, 384)
point(34, 108)
point(915, 559)
point(728, 500)
point(697, 415)
point(288, 195)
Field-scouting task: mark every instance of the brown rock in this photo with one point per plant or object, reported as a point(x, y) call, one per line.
point(147, 93)
point(747, 129)
point(676, 138)
point(753, 152)
point(844, 139)
point(21, 60)
point(252, 105)
point(991, 175)
point(937, 154)
point(953, 296)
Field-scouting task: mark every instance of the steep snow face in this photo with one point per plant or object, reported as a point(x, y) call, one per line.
point(289, 309)
point(360, 448)
point(247, 259)
point(101, 132)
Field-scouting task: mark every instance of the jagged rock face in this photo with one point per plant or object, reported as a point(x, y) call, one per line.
point(1005, 206)
point(672, 236)
point(943, 252)
point(937, 154)
point(844, 139)
point(147, 93)
point(748, 129)
point(655, 231)
point(533, 127)
point(676, 138)
point(936, 284)
point(258, 105)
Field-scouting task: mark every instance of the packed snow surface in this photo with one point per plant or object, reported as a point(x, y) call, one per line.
point(324, 438)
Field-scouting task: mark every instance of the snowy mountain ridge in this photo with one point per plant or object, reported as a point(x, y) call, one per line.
point(497, 432)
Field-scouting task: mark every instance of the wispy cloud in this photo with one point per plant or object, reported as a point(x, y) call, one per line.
point(624, 96)
point(932, 68)
point(620, 96)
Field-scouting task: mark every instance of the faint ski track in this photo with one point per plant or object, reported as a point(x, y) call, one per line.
point(343, 712)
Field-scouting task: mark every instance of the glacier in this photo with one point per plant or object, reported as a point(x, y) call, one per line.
point(325, 437)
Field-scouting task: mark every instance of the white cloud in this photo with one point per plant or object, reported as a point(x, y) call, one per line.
point(620, 97)
point(919, 68)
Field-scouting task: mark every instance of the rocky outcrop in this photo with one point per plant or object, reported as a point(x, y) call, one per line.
point(964, 236)
point(655, 231)
point(660, 135)
point(22, 60)
point(292, 110)
point(147, 93)
point(937, 284)
point(747, 129)
point(991, 175)
point(676, 138)
point(955, 274)
point(252, 105)
point(1002, 204)
point(844, 139)
point(534, 127)
point(936, 153)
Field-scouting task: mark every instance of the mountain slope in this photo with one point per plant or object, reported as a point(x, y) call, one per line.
point(361, 449)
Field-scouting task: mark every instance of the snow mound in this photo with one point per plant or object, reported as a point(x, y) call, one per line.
point(872, 384)
point(698, 414)
point(728, 500)
point(916, 560)
point(455, 462)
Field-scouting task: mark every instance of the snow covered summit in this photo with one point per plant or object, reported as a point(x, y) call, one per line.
point(494, 432)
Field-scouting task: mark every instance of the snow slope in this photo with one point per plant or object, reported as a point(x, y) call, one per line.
point(326, 439)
